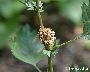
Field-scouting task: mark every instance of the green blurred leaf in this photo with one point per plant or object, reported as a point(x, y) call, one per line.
point(71, 9)
point(6, 28)
point(86, 20)
point(86, 2)
point(27, 46)
point(10, 7)
point(9, 16)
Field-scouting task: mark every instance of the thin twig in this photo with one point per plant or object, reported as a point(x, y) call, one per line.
point(76, 38)
point(38, 13)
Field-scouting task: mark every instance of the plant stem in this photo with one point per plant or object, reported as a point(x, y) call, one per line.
point(76, 38)
point(41, 24)
point(37, 68)
point(38, 13)
point(50, 63)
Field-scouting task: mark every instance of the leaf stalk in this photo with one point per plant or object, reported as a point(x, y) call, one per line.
point(37, 68)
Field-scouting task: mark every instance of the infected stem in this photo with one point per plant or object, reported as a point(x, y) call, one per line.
point(41, 24)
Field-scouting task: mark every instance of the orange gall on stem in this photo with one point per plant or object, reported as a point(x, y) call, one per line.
point(47, 36)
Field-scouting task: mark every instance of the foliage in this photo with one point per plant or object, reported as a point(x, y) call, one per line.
point(9, 16)
point(31, 4)
point(71, 9)
point(86, 21)
point(27, 47)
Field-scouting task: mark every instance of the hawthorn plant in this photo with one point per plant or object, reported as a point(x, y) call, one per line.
point(31, 46)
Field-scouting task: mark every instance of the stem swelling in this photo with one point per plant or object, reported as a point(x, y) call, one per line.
point(41, 24)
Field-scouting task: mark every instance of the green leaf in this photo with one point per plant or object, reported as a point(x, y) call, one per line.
point(10, 7)
point(86, 20)
point(46, 52)
point(86, 2)
point(27, 46)
point(9, 17)
point(56, 45)
point(71, 9)
point(6, 28)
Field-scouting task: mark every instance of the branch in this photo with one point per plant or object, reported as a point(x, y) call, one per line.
point(76, 38)
point(38, 13)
